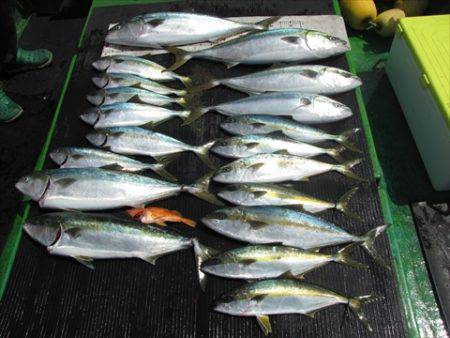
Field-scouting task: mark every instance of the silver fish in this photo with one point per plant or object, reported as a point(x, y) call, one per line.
point(306, 108)
point(268, 47)
point(114, 80)
point(249, 145)
point(86, 237)
point(140, 141)
point(177, 28)
point(137, 66)
point(272, 168)
point(314, 79)
point(266, 225)
point(259, 194)
point(272, 261)
point(100, 189)
point(71, 157)
point(129, 114)
point(129, 94)
point(285, 296)
point(265, 124)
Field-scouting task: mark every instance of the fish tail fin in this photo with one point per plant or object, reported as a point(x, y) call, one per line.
point(355, 304)
point(265, 24)
point(160, 169)
point(368, 240)
point(343, 257)
point(342, 204)
point(202, 253)
point(181, 57)
point(205, 80)
point(195, 113)
point(345, 169)
point(336, 153)
point(193, 104)
point(202, 152)
point(200, 188)
point(343, 139)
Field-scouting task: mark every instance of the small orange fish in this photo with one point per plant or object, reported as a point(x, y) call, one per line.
point(159, 216)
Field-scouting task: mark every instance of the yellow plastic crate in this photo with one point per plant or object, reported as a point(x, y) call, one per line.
point(419, 70)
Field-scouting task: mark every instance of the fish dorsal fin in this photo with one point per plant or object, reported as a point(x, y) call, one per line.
point(264, 323)
point(259, 193)
point(257, 224)
point(311, 314)
point(251, 145)
point(257, 166)
point(65, 182)
point(291, 39)
point(155, 22)
point(86, 261)
point(282, 152)
point(112, 166)
point(309, 73)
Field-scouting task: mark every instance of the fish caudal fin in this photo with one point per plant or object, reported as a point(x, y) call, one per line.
point(193, 104)
point(355, 305)
point(342, 204)
point(200, 188)
point(368, 240)
point(202, 253)
point(265, 24)
point(343, 257)
point(335, 153)
point(181, 57)
point(343, 139)
point(195, 113)
point(345, 169)
point(202, 153)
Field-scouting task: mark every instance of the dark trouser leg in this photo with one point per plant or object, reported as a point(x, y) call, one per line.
point(8, 34)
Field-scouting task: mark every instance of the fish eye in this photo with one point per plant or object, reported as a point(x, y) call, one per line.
point(115, 28)
point(232, 188)
point(332, 38)
point(226, 169)
point(338, 105)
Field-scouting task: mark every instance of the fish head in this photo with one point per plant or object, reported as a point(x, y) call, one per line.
point(126, 32)
point(325, 45)
point(342, 78)
point(245, 125)
point(43, 229)
point(233, 192)
point(59, 156)
point(236, 302)
point(98, 138)
point(331, 109)
point(102, 64)
point(97, 98)
point(229, 147)
point(91, 116)
point(101, 80)
point(222, 264)
point(240, 170)
point(224, 221)
point(34, 185)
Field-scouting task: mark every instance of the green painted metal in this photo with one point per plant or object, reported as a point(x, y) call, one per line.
point(419, 305)
point(12, 243)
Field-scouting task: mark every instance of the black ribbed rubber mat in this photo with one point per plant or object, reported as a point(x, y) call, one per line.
point(53, 296)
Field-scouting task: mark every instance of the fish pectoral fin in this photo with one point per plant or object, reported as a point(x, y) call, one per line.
point(231, 64)
point(257, 224)
point(113, 166)
point(257, 166)
point(257, 124)
point(264, 323)
point(251, 145)
point(73, 232)
point(136, 99)
point(160, 223)
point(260, 193)
point(309, 73)
point(155, 22)
point(150, 259)
point(291, 39)
point(85, 260)
point(65, 182)
point(247, 261)
point(282, 152)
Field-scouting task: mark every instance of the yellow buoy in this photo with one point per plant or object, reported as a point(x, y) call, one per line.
point(385, 24)
point(358, 13)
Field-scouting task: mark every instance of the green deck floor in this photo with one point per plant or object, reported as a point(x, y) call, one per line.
point(395, 162)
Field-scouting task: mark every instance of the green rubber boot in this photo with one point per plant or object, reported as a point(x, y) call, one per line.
point(31, 59)
point(9, 110)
